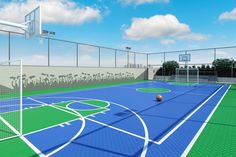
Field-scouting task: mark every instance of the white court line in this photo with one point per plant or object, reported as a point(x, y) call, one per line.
point(79, 101)
point(146, 133)
point(36, 150)
point(146, 138)
point(22, 109)
point(43, 103)
point(56, 125)
point(73, 138)
point(7, 138)
point(2, 106)
point(186, 118)
point(84, 103)
point(121, 130)
point(67, 123)
point(186, 151)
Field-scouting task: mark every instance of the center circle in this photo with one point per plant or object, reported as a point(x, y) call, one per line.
point(153, 90)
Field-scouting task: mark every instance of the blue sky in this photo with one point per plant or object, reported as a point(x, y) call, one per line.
point(144, 25)
point(201, 16)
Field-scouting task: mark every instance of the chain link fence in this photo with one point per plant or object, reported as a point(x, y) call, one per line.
point(212, 63)
point(45, 51)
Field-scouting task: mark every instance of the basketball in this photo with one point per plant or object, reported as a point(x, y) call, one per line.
point(159, 98)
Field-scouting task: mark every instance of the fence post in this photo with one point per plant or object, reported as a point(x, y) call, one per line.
point(232, 69)
point(147, 59)
point(215, 72)
point(134, 60)
point(9, 47)
point(99, 57)
point(164, 70)
point(115, 59)
point(48, 52)
point(77, 54)
point(127, 59)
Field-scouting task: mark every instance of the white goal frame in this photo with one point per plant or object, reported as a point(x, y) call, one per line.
point(18, 132)
point(188, 78)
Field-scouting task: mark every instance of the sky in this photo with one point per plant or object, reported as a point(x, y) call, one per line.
point(144, 25)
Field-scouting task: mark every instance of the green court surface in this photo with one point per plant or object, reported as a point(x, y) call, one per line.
point(101, 107)
point(34, 121)
point(5, 131)
point(219, 136)
point(10, 147)
point(97, 103)
point(153, 90)
point(219, 133)
point(65, 89)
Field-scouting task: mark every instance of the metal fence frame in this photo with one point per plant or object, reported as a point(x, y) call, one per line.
point(128, 52)
point(214, 50)
point(77, 44)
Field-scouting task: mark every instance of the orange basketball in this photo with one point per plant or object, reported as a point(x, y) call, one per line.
point(159, 98)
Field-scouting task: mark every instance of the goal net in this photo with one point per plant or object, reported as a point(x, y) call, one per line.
point(189, 75)
point(10, 99)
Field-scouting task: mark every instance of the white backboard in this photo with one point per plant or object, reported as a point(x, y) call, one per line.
point(33, 21)
point(184, 57)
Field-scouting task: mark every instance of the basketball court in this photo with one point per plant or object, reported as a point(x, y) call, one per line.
point(119, 118)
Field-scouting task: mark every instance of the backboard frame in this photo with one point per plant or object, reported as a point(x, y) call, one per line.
point(33, 22)
point(184, 57)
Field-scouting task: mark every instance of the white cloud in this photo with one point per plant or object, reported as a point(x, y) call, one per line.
point(167, 42)
point(229, 15)
point(194, 36)
point(53, 11)
point(140, 2)
point(161, 27)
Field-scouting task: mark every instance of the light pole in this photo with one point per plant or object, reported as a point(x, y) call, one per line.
point(232, 67)
point(128, 49)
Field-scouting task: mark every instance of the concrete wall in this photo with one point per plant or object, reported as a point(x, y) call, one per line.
point(227, 80)
point(152, 73)
point(56, 76)
point(206, 79)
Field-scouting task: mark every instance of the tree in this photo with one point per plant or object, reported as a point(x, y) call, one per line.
point(170, 67)
point(224, 66)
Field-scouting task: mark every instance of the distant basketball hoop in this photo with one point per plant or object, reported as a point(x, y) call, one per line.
point(184, 57)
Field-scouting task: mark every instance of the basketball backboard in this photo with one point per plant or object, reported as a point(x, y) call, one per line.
point(33, 21)
point(184, 58)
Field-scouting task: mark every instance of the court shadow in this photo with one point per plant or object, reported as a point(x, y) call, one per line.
point(102, 149)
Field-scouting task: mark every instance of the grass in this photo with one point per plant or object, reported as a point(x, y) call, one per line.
point(219, 136)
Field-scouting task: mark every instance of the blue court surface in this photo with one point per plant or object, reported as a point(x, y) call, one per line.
point(124, 121)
